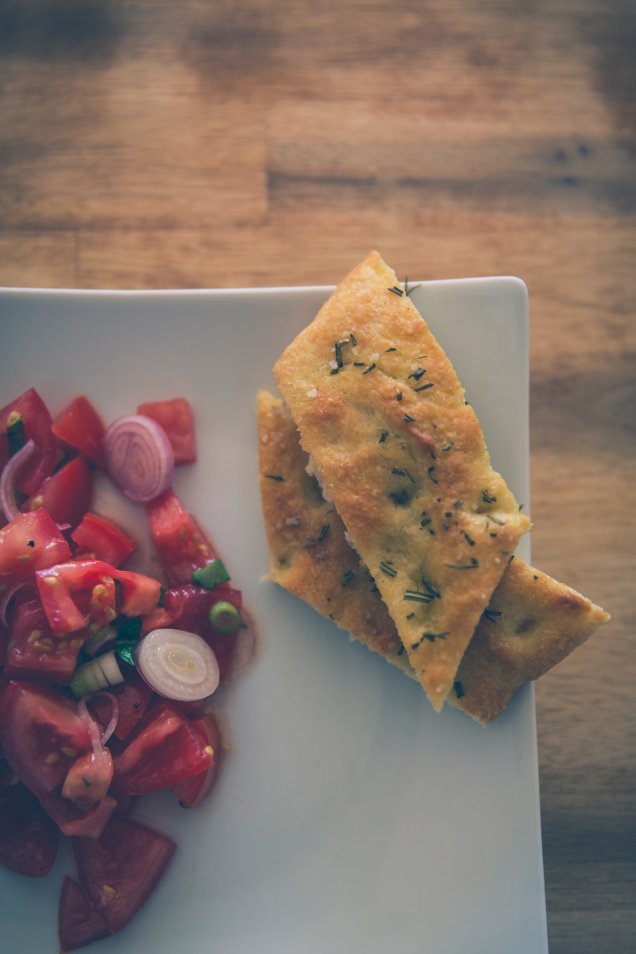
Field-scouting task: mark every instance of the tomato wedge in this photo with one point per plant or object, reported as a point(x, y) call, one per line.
point(37, 427)
point(176, 418)
point(91, 583)
point(79, 922)
point(181, 545)
point(192, 791)
point(79, 426)
point(103, 538)
point(120, 869)
point(41, 734)
point(35, 651)
point(31, 541)
point(166, 750)
point(66, 494)
point(28, 837)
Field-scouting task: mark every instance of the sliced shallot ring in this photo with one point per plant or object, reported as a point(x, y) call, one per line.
point(139, 457)
point(178, 665)
point(84, 714)
point(7, 479)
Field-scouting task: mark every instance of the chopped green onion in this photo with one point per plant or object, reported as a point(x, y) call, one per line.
point(224, 617)
point(99, 673)
point(211, 575)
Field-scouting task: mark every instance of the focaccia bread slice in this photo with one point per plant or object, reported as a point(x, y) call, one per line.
point(309, 554)
point(532, 622)
point(399, 451)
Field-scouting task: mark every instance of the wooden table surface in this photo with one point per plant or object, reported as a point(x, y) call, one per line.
point(153, 144)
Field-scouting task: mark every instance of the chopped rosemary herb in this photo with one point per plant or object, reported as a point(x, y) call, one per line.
point(323, 533)
point(491, 615)
point(338, 349)
point(396, 290)
point(352, 339)
point(459, 689)
point(400, 651)
point(399, 396)
point(408, 419)
point(469, 540)
point(388, 350)
point(370, 368)
point(410, 615)
point(487, 497)
point(458, 503)
point(409, 291)
point(425, 520)
point(402, 472)
point(417, 374)
point(383, 437)
point(474, 563)
point(274, 477)
point(416, 596)
point(430, 473)
point(447, 447)
point(433, 636)
point(358, 364)
point(502, 523)
point(401, 498)
point(424, 387)
point(386, 568)
point(347, 578)
point(428, 586)
point(336, 370)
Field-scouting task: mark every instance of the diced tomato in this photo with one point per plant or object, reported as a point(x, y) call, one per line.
point(133, 697)
point(80, 923)
point(31, 541)
point(91, 583)
point(176, 418)
point(89, 777)
point(79, 426)
point(193, 790)
point(66, 495)
point(37, 427)
point(165, 751)
point(120, 869)
point(181, 545)
point(102, 537)
point(76, 822)
point(40, 734)
point(28, 837)
point(4, 642)
point(35, 651)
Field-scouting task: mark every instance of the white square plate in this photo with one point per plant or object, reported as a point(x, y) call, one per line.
point(349, 818)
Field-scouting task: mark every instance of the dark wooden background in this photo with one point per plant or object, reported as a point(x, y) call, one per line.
point(154, 144)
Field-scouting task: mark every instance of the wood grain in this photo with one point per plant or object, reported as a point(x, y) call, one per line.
point(151, 144)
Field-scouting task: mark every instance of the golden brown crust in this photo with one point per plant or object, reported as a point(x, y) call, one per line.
point(532, 621)
point(380, 409)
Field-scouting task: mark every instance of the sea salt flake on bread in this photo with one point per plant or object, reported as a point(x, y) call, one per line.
point(532, 622)
point(401, 454)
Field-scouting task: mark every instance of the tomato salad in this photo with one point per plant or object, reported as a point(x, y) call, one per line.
point(106, 673)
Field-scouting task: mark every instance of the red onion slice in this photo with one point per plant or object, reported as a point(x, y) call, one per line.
point(7, 480)
point(139, 457)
